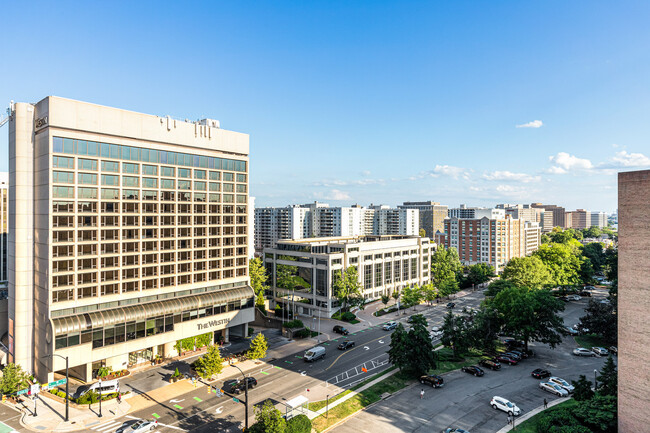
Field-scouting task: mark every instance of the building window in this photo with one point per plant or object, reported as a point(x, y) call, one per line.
point(367, 277)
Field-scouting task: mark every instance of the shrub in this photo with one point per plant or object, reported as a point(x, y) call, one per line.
point(88, 398)
point(251, 331)
point(294, 324)
point(348, 317)
point(61, 394)
point(176, 373)
point(298, 424)
point(303, 333)
point(103, 372)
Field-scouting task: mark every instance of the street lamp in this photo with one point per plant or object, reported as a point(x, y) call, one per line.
point(67, 381)
point(327, 411)
point(100, 398)
point(595, 381)
point(246, 394)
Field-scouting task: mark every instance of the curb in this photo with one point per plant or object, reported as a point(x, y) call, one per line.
point(534, 412)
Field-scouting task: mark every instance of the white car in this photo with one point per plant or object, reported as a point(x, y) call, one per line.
point(600, 351)
point(139, 426)
point(574, 297)
point(581, 351)
point(435, 333)
point(563, 383)
point(505, 405)
point(553, 389)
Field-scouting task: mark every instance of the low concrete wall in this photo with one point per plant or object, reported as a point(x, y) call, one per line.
point(266, 321)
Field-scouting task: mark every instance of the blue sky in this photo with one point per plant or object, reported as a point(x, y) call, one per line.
point(367, 101)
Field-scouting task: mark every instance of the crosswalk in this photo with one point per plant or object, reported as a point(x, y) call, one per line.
point(107, 427)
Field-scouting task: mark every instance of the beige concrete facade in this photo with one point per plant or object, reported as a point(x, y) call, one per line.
point(4, 224)
point(633, 301)
point(127, 232)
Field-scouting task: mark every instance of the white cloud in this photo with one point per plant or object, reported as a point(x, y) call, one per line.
point(563, 163)
point(333, 194)
point(337, 182)
point(365, 173)
point(625, 159)
point(532, 124)
point(447, 170)
point(510, 176)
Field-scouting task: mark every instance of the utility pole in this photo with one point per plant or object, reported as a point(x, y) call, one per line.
point(246, 394)
point(67, 382)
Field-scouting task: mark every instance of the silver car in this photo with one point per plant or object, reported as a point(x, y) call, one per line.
point(600, 351)
point(553, 389)
point(139, 426)
point(563, 383)
point(581, 351)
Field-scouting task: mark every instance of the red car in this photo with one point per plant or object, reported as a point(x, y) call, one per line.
point(506, 360)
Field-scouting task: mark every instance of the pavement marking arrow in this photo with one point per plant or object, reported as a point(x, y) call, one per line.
point(381, 341)
point(366, 347)
point(303, 373)
point(219, 409)
point(175, 401)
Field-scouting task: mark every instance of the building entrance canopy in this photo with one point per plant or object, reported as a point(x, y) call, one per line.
point(98, 319)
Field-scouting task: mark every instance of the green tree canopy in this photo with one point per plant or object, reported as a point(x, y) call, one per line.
point(385, 299)
point(484, 329)
point(446, 270)
point(582, 389)
point(498, 285)
point(268, 419)
point(600, 319)
point(423, 233)
point(258, 347)
point(412, 296)
point(530, 315)
point(527, 272)
point(595, 252)
point(346, 285)
point(258, 277)
point(561, 262)
point(13, 379)
point(412, 351)
point(608, 378)
point(478, 274)
point(592, 232)
point(454, 334)
point(210, 364)
point(398, 348)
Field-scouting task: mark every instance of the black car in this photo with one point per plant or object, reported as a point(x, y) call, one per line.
point(585, 293)
point(451, 305)
point(434, 380)
point(472, 369)
point(346, 345)
point(540, 373)
point(238, 386)
point(341, 330)
point(493, 365)
point(513, 355)
point(521, 353)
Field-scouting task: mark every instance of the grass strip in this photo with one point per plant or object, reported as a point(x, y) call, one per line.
point(590, 340)
point(530, 425)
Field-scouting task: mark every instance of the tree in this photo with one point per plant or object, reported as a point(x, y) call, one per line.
point(385, 299)
point(412, 296)
point(446, 270)
point(299, 424)
point(268, 419)
point(346, 285)
point(454, 334)
point(561, 262)
point(412, 351)
point(600, 319)
point(595, 252)
point(396, 295)
point(423, 233)
point(484, 329)
point(530, 315)
point(592, 232)
point(608, 378)
point(479, 273)
point(209, 364)
point(527, 272)
point(582, 388)
point(13, 379)
point(429, 293)
point(258, 277)
point(448, 286)
point(258, 347)
point(611, 264)
point(497, 286)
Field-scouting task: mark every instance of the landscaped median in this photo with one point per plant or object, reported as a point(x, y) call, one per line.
point(531, 424)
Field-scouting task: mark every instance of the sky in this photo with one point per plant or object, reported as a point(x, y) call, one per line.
point(367, 101)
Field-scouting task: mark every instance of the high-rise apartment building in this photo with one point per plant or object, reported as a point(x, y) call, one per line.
point(491, 241)
point(463, 212)
point(633, 305)
point(432, 215)
point(598, 219)
point(520, 211)
point(4, 224)
point(559, 213)
point(579, 219)
point(302, 271)
point(128, 232)
point(319, 220)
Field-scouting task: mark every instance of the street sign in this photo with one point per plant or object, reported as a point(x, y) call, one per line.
point(235, 399)
point(57, 382)
point(22, 391)
point(34, 389)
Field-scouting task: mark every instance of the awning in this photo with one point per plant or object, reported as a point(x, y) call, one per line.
point(98, 319)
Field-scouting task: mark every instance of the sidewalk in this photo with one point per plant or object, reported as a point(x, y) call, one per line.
point(532, 413)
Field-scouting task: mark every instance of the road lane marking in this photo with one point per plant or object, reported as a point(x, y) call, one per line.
point(279, 368)
point(219, 409)
point(178, 406)
point(155, 415)
point(198, 399)
point(264, 372)
point(366, 347)
point(290, 362)
point(176, 401)
point(349, 351)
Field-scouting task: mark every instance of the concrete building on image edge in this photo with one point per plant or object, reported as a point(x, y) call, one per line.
point(128, 232)
point(432, 215)
point(633, 301)
point(4, 228)
point(301, 271)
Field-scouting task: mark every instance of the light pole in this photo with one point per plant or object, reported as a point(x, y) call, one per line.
point(595, 381)
point(327, 410)
point(246, 394)
point(100, 398)
point(35, 397)
point(319, 326)
point(67, 381)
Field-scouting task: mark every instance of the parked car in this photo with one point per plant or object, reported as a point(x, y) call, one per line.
point(493, 365)
point(511, 343)
point(389, 326)
point(472, 369)
point(506, 360)
point(237, 386)
point(553, 389)
point(581, 351)
point(571, 331)
point(613, 350)
point(563, 383)
point(574, 297)
point(455, 430)
point(103, 387)
point(314, 354)
point(513, 355)
point(540, 373)
point(505, 405)
point(434, 380)
point(340, 330)
point(600, 351)
point(521, 353)
point(583, 330)
point(346, 345)
point(436, 332)
point(451, 305)
point(604, 301)
point(589, 287)
point(139, 426)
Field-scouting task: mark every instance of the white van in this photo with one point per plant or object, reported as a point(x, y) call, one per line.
point(108, 387)
point(315, 353)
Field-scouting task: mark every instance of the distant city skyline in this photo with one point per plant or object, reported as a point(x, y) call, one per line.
point(380, 102)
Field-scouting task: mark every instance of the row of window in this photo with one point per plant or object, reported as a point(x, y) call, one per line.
point(87, 222)
point(165, 208)
point(64, 192)
point(129, 153)
point(115, 334)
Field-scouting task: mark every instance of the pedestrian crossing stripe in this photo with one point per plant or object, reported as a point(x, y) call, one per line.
point(264, 372)
point(155, 415)
point(289, 362)
point(279, 368)
point(298, 356)
point(104, 427)
point(178, 406)
point(198, 399)
point(326, 344)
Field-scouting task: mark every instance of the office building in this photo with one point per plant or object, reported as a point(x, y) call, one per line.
point(559, 213)
point(432, 215)
point(464, 212)
point(4, 224)
point(301, 271)
point(633, 305)
point(520, 211)
point(578, 219)
point(128, 232)
point(598, 219)
point(491, 241)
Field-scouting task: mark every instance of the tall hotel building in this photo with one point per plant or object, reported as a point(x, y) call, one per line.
point(128, 232)
point(4, 225)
